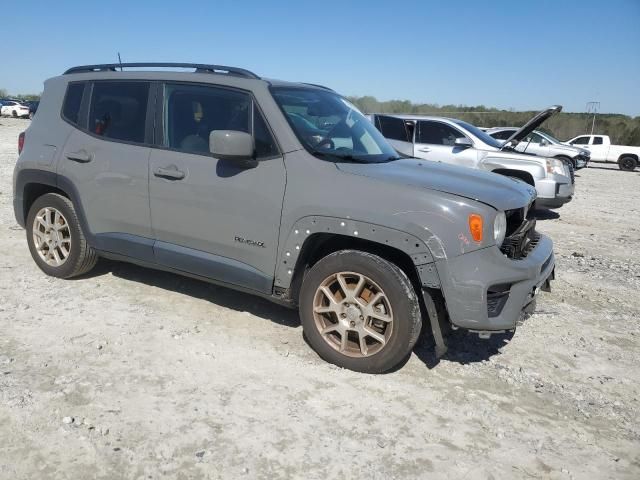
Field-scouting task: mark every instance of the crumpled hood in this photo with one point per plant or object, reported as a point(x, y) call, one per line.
point(498, 191)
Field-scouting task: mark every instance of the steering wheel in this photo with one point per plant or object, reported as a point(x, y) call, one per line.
point(326, 141)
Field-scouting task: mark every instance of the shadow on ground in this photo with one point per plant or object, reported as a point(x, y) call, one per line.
point(611, 168)
point(222, 296)
point(545, 214)
point(463, 347)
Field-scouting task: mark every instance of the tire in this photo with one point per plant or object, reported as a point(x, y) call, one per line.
point(76, 254)
point(628, 164)
point(398, 302)
point(30, 115)
point(15, 114)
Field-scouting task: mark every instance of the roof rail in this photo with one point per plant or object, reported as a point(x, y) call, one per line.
point(199, 68)
point(319, 86)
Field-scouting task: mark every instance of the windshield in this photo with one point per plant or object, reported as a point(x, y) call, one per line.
point(480, 134)
point(329, 125)
point(551, 138)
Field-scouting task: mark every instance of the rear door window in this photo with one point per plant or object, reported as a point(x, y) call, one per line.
point(72, 102)
point(392, 128)
point(597, 141)
point(118, 110)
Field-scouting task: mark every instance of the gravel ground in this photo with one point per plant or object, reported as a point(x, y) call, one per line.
point(132, 373)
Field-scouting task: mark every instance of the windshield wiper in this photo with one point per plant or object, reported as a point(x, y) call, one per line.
point(346, 158)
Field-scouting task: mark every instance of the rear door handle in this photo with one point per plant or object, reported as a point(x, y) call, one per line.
point(80, 156)
point(171, 173)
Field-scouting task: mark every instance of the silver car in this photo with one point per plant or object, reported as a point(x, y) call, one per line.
point(277, 189)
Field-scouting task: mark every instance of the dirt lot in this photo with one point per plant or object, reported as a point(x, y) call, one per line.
point(131, 373)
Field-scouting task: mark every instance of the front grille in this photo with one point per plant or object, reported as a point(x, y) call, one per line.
point(572, 172)
point(516, 217)
point(522, 241)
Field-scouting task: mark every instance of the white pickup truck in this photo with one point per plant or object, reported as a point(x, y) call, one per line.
point(627, 158)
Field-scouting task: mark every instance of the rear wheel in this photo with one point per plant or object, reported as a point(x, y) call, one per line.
point(15, 114)
point(628, 164)
point(359, 311)
point(56, 241)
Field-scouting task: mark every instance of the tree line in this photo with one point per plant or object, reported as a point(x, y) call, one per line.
point(29, 97)
point(622, 129)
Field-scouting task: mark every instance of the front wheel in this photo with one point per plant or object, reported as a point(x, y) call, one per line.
point(628, 164)
point(55, 238)
point(360, 311)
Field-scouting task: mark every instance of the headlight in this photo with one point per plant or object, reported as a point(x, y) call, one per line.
point(499, 228)
point(555, 166)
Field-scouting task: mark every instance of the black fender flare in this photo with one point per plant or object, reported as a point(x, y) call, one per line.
point(292, 245)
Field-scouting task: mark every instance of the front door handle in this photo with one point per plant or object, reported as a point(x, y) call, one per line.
point(80, 156)
point(171, 173)
point(424, 149)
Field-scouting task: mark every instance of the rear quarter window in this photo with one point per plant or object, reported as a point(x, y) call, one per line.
point(72, 102)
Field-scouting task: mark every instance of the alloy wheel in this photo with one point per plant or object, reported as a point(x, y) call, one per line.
point(353, 314)
point(52, 236)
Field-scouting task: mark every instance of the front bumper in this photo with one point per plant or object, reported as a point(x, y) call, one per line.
point(554, 191)
point(469, 283)
point(581, 162)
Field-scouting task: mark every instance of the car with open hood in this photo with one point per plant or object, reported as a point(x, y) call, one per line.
point(457, 142)
point(278, 189)
point(542, 144)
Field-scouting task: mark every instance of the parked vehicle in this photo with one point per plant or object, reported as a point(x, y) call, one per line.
point(33, 108)
point(282, 190)
point(14, 109)
point(544, 145)
point(601, 150)
point(460, 143)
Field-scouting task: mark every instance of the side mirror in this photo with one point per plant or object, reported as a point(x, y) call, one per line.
point(544, 142)
point(463, 142)
point(234, 146)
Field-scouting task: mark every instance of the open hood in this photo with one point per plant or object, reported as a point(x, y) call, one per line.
point(532, 124)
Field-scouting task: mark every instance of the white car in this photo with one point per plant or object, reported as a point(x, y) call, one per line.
point(544, 145)
point(627, 158)
point(11, 108)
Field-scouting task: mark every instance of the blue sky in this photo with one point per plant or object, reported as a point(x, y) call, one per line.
point(507, 54)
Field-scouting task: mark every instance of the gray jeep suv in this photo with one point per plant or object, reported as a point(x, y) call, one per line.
point(283, 190)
